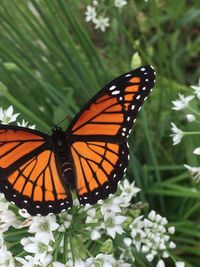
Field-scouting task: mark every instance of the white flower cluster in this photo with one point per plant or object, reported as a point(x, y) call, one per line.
point(183, 103)
point(108, 215)
point(151, 236)
point(7, 116)
point(100, 21)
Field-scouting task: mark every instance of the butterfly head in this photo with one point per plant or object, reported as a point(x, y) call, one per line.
point(58, 136)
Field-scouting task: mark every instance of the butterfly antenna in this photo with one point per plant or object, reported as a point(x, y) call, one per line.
point(67, 117)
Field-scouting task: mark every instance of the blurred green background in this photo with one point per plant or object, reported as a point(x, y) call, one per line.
point(53, 61)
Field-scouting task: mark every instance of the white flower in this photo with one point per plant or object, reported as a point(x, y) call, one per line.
point(180, 264)
point(38, 245)
point(177, 134)
point(150, 257)
point(194, 171)
point(110, 204)
point(160, 264)
point(196, 89)
point(92, 218)
point(70, 263)
point(137, 232)
point(58, 264)
point(101, 23)
point(7, 116)
point(120, 3)
point(25, 124)
point(121, 263)
point(165, 255)
point(152, 215)
point(6, 258)
point(113, 224)
point(171, 230)
point(172, 245)
point(127, 241)
point(197, 151)
point(102, 260)
point(28, 261)
point(95, 235)
point(43, 224)
point(90, 14)
point(7, 219)
point(190, 117)
point(128, 191)
point(66, 220)
point(182, 102)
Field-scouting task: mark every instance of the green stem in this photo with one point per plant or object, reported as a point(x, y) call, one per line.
point(191, 133)
point(65, 248)
point(71, 246)
point(15, 233)
point(83, 246)
point(56, 246)
point(194, 111)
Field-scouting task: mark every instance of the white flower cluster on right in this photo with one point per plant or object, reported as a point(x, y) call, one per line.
point(100, 20)
point(192, 115)
point(151, 236)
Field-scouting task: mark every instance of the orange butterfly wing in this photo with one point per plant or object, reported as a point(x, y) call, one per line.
point(113, 110)
point(31, 176)
point(100, 131)
point(99, 167)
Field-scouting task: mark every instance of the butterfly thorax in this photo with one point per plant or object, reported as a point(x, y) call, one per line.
point(59, 140)
point(58, 136)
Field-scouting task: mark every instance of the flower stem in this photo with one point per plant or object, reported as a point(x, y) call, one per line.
point(194, 111)
point(71, 246)
point(16, 233)
point(191, 133)
point(56, 246)
point(83, 246)
point(65, 248)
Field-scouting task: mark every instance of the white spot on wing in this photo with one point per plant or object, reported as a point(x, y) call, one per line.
point(132, 107)
point(112, 87)
point(116, 92)
point(128, 75)
point(142, 69)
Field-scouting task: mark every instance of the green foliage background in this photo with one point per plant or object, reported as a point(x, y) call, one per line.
point(53, 62)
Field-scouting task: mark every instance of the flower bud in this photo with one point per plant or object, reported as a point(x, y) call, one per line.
point(107, 247)
point(136, 61)
point(11, 66)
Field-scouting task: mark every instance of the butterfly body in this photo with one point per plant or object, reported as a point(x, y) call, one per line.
point(39, 171)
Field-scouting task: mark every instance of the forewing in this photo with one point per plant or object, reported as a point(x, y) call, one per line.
point(113, 110)
point(98, 167)
point(15, 144)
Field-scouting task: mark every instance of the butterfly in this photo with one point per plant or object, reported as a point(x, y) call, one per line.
point(38, 171)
